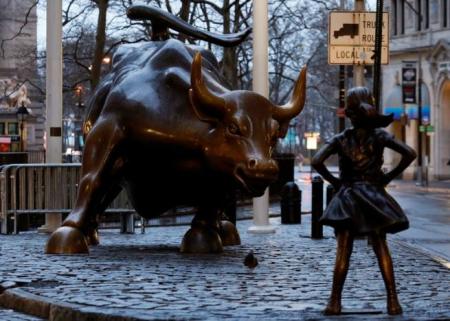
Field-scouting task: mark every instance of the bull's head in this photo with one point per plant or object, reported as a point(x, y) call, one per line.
point(245, 129)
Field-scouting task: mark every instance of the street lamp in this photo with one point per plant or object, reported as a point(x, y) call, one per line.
point(22, 114)
point(78, 120)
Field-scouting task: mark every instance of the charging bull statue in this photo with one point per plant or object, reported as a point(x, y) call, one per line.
point(164, 127)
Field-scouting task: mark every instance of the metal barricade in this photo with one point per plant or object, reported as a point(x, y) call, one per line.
point(42, 189)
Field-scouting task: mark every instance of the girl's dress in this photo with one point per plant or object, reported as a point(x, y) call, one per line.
point(362, 204)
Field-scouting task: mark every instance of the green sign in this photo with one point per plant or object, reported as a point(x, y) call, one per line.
point(428, 129)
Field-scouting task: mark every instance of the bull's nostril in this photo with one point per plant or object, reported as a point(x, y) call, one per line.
point(252, 163)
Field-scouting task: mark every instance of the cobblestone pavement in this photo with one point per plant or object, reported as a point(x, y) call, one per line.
point(144, 277)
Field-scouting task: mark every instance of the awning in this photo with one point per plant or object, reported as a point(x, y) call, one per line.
point(393, 104)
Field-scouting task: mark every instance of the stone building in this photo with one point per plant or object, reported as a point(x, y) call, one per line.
point(18, 73)
point(420, 38)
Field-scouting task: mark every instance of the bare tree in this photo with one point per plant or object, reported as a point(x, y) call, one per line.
point(298, 36)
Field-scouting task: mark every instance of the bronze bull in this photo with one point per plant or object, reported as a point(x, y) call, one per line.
point(164, 127)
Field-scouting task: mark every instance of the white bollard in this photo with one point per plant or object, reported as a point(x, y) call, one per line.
point(54, 82)
point(261, 86)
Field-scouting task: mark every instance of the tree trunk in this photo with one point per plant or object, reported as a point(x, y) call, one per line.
point(229, 62)
point(184, 15)
point(99, 43)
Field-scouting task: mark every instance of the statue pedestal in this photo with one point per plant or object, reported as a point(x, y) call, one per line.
point(261, 229)
point(261, 224)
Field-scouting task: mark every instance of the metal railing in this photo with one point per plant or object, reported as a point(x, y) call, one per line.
point(52, 189)
point(36, 157)
point(42, 189)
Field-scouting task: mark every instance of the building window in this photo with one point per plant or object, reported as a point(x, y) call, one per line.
point(409, 17)
point(417, 16)
point(434, 11)
point(426, 15)
point(2, 128)
point(13, 129)
point(394, 15)
point(444, 13)
point(402, 16)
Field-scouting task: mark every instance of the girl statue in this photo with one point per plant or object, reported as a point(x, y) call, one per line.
point(361, 205)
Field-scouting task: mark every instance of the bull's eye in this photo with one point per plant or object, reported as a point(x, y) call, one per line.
point(234, 129)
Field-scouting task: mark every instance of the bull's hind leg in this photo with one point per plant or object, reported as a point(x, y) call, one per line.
point(102, 164)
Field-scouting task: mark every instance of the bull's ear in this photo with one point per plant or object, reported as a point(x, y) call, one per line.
point(207, 105)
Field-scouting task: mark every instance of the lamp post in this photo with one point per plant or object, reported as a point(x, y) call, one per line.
point(420, 139)
point(78, 120)
point(22, 114)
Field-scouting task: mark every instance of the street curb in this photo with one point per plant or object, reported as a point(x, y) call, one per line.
point(27, 303)
point(42, 307)
point(423, 251)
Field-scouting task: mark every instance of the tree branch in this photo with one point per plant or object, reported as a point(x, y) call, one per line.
point(27, 15)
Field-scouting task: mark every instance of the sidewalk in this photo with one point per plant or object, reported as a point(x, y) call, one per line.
point(412, 186)
point(144, 277)
point(428, 210)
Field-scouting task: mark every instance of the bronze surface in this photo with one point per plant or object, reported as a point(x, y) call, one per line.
point(361, 205)
point(163, 126)
point(67, 240)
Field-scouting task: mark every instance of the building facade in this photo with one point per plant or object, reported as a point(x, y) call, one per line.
point(19, 78)
point(420, 49)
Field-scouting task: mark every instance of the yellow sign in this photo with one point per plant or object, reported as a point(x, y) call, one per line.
point(351, 38)
point(311, 139)
point(311, 142)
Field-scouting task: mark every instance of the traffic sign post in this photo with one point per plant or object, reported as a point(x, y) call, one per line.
point(351, 38)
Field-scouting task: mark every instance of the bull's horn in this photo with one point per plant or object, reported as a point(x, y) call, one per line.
point(295, 105)
point(209, 103)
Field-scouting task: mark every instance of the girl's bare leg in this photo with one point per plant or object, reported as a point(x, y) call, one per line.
point(385, 262)
point(343, 252)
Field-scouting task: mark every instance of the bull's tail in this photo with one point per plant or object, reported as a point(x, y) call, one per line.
point(161, 20)
point(95, 104)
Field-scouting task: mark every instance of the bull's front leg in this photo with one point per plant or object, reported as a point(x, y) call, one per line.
point(208, 234)
point(101, 168)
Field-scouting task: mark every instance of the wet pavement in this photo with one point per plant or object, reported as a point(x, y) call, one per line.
point(428, 210)
point(144, 277)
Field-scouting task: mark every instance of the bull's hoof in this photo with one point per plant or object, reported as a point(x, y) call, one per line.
point(229, 234)
point(92, 237)
point(67, 240)
point(201, 240)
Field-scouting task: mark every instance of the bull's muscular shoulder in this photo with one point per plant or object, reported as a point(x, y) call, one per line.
point(161, 54)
